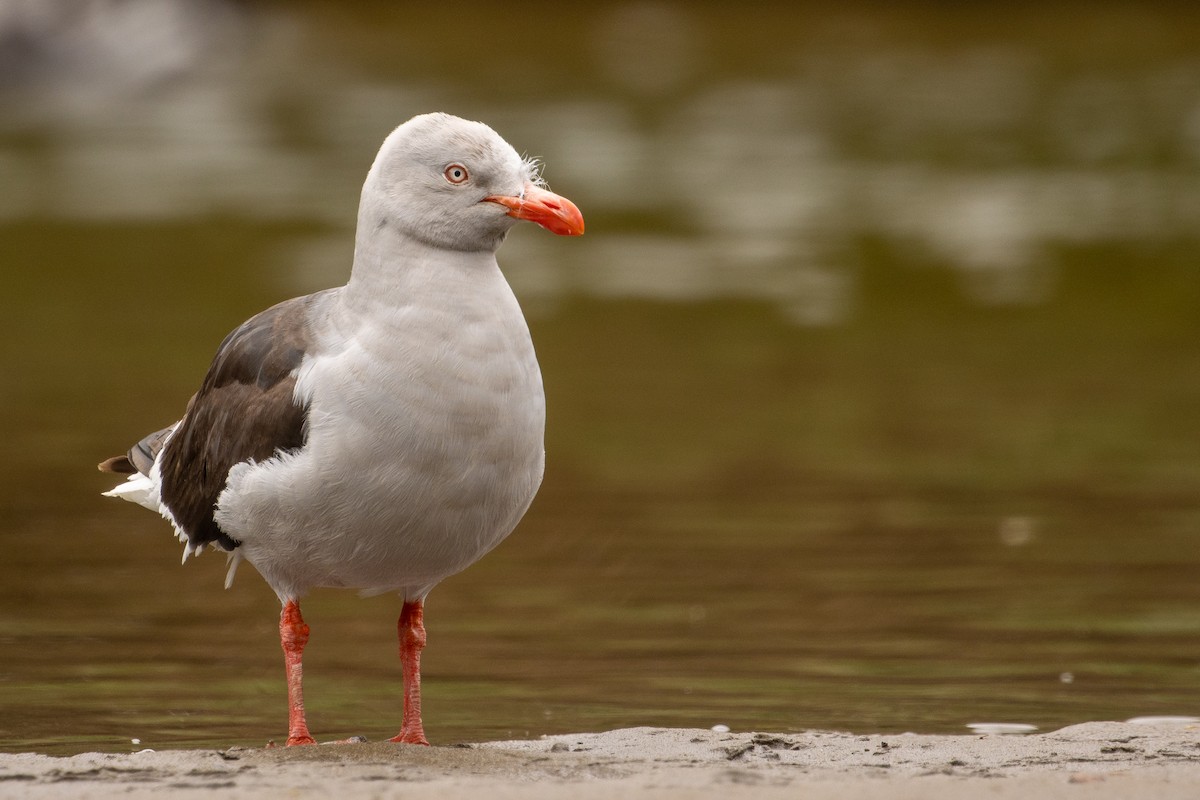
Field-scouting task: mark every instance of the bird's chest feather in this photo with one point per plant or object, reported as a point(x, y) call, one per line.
point(447, 404)
point(424, 447)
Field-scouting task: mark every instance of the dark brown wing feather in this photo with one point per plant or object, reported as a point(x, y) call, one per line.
point(121, 465)
point(244, 410)
point(140, 457)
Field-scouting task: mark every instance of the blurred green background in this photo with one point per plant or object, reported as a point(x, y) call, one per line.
point(873, 387)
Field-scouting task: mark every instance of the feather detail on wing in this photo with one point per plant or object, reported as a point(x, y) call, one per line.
point(245, 410)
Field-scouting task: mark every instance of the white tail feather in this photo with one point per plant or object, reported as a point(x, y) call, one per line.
point(145, 491)
point(137, 489)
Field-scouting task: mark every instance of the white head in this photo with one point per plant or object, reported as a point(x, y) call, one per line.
point(455, 184)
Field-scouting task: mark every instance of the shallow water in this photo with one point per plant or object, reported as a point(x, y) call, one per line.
point(872, 387)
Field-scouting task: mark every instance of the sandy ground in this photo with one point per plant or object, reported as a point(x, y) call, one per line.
point(1094, 760)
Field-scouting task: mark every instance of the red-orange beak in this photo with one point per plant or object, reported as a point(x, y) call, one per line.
point(554, 213)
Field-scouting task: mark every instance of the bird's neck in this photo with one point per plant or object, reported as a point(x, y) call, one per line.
point(393, 269)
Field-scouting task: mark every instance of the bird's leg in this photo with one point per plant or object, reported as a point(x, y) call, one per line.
point(411, 629)
point(293, 635)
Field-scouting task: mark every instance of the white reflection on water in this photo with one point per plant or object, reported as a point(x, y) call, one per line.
point(748, 182)
point(1001, 728)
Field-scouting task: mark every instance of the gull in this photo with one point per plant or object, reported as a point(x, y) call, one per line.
point(385, 434)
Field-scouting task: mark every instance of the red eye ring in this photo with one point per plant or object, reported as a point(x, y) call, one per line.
point(456, 174)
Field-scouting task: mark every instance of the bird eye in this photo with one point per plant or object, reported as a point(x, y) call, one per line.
point(456, 173)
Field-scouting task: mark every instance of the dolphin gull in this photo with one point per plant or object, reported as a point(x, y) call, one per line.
point(381, 435)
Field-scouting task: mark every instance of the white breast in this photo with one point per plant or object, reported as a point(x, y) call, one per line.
point(425, 439)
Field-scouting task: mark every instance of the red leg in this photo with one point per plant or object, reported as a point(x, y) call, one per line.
point(411, 628)
point(293, 635)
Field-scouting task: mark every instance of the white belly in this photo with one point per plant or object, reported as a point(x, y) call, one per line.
point(425, 447)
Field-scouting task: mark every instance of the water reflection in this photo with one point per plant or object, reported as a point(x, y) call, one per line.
point(871, 386)
point(980, 156)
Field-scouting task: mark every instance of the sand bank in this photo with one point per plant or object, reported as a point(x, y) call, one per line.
point(1092, 760)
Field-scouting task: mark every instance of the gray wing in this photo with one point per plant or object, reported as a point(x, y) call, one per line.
point(140, 457)
point(245, 409)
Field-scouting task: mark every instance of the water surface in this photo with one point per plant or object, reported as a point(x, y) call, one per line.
point(873, 387)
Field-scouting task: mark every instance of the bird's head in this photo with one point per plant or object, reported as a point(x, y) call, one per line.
point(455, 184)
